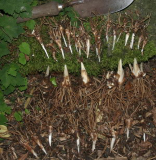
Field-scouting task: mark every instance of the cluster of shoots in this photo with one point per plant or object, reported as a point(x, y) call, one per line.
point(117, 79)
point(94, 115)
point(91, 37)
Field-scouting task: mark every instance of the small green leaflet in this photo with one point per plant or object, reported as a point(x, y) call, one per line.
point(31, 24)
point(4, 108)
point(53, 81)
point(25, 48)
point(22, 58)
point(18, 116)
point(27, 111)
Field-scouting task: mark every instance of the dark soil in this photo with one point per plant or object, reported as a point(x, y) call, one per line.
point(92, 113)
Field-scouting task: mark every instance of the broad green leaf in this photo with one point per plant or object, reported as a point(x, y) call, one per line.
point(30, 24)
point(53, 81)
point(9, 89)
point(20, 80)
point(3, 49)
point(10, 28)
point(1, 95)
point(8, 6)
point(22, 58)
point(18, 116)
point(25, 48)
point(5, 80)
point(12, 71)
point(3, 119)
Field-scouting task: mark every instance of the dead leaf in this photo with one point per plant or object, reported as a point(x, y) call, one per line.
point(4, 132)
point(29, 98)
point(23, 156)
point(1, 151)
point(154, 115)
point(145, 145)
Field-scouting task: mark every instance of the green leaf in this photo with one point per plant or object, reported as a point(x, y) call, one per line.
point(12, 71)
point(18, 116)
point(5, 80)
point(53, 81)
point(31, 24)
point(4, 108)
point(22, 58)
point(22, 88)
point(25, 48)
point(20, 80)
point(1, 95)
point(34, 3)
point(10, 28)
point(3, 119)
point(9, 90)
point(27, 111)
point(3, 49)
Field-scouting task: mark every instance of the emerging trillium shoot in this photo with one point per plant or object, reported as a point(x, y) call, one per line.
point(50, 135)
point(47, 72)
point(120, 73)
point(114, 39)
point(37, 141)
point(126, 38)
point(128, 123)
point(66, 81)
point(28, 147)
point(84, 75)
point(78, 143)
point(136, 71)
point(132, 41)
point(94, 139)
point(88, 45)
point(114, 133)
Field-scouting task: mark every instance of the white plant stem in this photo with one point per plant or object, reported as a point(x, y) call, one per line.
point(126, 38)
point(93, 145)
point(112, 143)
point(50, 139)
point(65, 42)
point(119, 37)
point(78, 144)
point(114, 41)
point(70, 49)
point(144, 137)
point(45, 50)
point(132, 41)
point(62, 53)
point(127, 133)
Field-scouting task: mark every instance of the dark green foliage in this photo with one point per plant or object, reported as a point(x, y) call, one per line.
point(10, 77)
